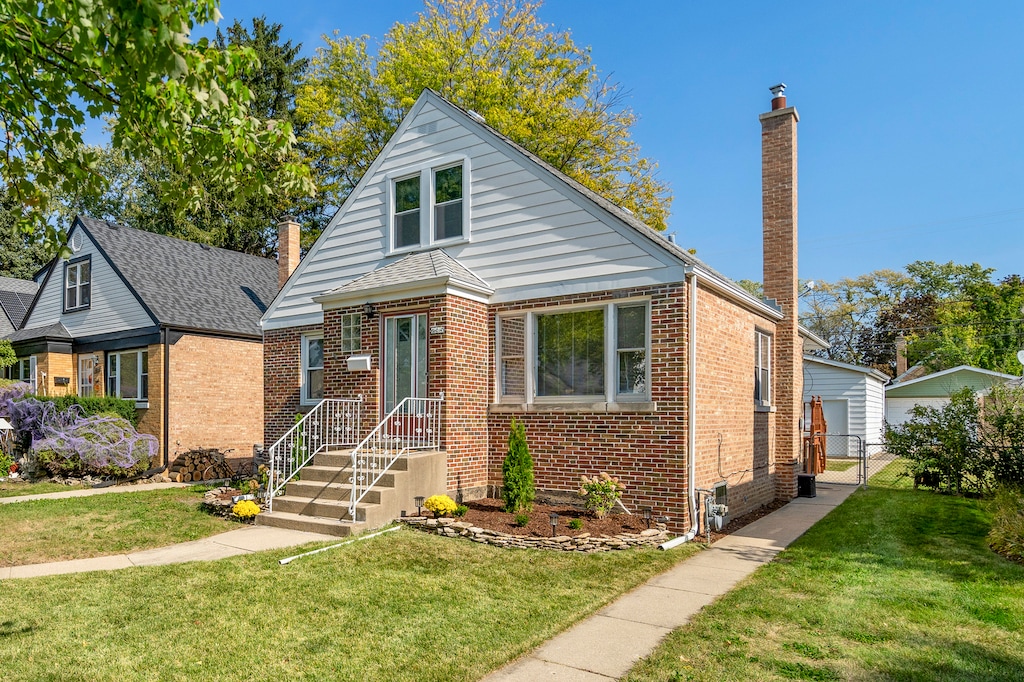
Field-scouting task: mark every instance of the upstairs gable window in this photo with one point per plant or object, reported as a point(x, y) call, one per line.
point(77, 284)
point(428, 206)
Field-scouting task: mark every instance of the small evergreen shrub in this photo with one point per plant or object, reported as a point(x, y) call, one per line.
point(441, 505)
point(600, 493)
point(460, 510)
point(87, 407)
point(1007, 534)
point(521, 520)
point(517, 489)
point(576, 524)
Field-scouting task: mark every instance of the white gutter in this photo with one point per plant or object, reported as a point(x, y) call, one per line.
point(691, 421)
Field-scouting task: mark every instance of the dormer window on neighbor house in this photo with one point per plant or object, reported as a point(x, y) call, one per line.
point(428, 205)
point(77, 284)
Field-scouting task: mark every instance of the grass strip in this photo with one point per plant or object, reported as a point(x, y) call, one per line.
point(20, 488)
point(894, 585)
point(39, 531)
point(404, 606)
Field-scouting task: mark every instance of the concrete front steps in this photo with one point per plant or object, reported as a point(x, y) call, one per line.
point(319, 501)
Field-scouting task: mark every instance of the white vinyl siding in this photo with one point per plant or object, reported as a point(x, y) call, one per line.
point(112, 306)
point(864, 393)
point(531, 237)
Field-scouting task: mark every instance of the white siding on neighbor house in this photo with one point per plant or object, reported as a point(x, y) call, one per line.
point(863, 393)
point(113, 307)
point(897, 410)
point(530, 236)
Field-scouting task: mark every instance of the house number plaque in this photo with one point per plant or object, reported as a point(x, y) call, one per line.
point(437, 329)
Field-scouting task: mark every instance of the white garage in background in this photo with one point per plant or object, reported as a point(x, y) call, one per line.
point(933, 390)
point(852, 398)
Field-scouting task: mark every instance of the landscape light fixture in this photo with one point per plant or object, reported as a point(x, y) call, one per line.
point(647, 515)
point(554, 522)
point(419, 504)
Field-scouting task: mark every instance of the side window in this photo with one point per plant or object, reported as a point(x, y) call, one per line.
point(351, 333)
point(312, 369)
point(762, 368)
point(77, 284)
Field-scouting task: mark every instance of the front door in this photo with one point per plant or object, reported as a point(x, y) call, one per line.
point(405, 359)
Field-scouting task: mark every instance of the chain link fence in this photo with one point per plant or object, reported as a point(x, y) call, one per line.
point(886, 470)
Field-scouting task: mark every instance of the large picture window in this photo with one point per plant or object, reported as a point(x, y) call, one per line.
point(762, 368)
point(595, 354)
point(77, 284)
point(312, 369)
point(128, 375)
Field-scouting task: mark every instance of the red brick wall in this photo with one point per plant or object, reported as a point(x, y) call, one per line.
point(282, 368)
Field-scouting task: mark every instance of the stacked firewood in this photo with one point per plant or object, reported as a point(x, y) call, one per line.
point(201, 464)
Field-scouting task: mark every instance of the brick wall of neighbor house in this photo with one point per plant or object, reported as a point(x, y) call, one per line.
point(216, 394)
point(282, 366)
point(733, 440)
point(646, 450)
point(151, 419)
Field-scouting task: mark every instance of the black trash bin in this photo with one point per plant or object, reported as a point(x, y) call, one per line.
point(805, 486)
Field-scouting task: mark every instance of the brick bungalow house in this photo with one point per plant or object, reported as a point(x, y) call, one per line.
point(172, 324)
point(464, 267)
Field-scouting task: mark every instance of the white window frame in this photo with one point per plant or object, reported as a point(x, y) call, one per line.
point(76, 266)
point(304, 398)
point(351, 333)
point(113, 375)
point(428, 203)
point(86, 390)
point(762, 398)
point(24, 369)
point(611, 355)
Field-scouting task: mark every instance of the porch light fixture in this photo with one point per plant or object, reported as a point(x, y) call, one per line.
point(418, 499)
point(369, 311)
point(553, 517)
point(647, 515)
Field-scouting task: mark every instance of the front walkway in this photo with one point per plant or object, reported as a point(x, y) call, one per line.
point(608, 644)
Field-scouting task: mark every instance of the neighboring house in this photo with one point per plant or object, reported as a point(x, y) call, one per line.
point(933, 390)
point(852, 398)
point(15, 297)
point(466, 267)
point(173, 325)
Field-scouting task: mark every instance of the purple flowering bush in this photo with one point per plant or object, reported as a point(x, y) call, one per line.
point(97, 445)
point(11, 393)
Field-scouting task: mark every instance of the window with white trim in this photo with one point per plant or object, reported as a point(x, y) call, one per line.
point(77, 284)
point(128, 375)
point(25, 370)
point(312, 389)
point(428, 205)
point(762, 368)
point(351, 333)
point(580, 354)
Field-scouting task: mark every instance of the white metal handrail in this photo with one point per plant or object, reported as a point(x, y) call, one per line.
point(331, 423)
point(414, 424)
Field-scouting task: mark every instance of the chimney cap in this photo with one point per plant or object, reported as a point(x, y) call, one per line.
point(778, 89)
point(287, 218)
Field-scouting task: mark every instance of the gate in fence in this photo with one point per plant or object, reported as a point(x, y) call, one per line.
point(845, 458)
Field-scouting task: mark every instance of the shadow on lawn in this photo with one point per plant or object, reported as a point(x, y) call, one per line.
point(950, 659)
point(9, 628)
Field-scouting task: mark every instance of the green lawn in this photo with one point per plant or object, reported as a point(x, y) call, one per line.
point(839, 464)
point(895, 584)
point(19, 488)
point(403, 606)
point(37, 531)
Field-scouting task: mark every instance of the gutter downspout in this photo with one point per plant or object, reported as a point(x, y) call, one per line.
point(691, 418)
point(167, 396)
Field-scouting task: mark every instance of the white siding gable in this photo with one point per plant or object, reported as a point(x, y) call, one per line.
point(864, 392)
point(530, 234)
point(113, 307)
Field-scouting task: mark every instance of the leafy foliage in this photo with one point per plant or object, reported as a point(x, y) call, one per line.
point(21, 256)
point(97, 445)
point(517, 489)
point(530, 82)
point(600, 493)
point(1007, 534)
point(441, 505)
point(106, 405)
point(7, 355)
point(133, 62)
point(245, 509)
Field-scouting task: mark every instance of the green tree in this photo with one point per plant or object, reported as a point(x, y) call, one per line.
point(7, 355)
point(530, 82)
point(185, 102)
point(20, 255)
point(517, 488)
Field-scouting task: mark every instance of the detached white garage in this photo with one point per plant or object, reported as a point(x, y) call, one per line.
point(852, 398)
point(933, 390)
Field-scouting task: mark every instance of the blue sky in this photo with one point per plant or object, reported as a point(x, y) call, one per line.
point(910, 140)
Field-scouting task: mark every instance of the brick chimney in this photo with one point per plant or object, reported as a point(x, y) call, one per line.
point(779, 214)
point(901, 356)
point(288, 235)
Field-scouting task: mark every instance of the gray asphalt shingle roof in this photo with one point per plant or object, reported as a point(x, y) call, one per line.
point(15, 298)
point(416, 267)
point(55, 331)
point(189, 285)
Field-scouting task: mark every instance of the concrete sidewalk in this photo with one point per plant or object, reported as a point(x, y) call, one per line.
point(232, 543)
point(608, 644)
point(89, 492)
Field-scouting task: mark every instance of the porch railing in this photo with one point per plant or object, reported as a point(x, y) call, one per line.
point(332, 423)
point(414, 424)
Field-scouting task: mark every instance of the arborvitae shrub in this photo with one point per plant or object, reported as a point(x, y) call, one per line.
point(517, 472)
